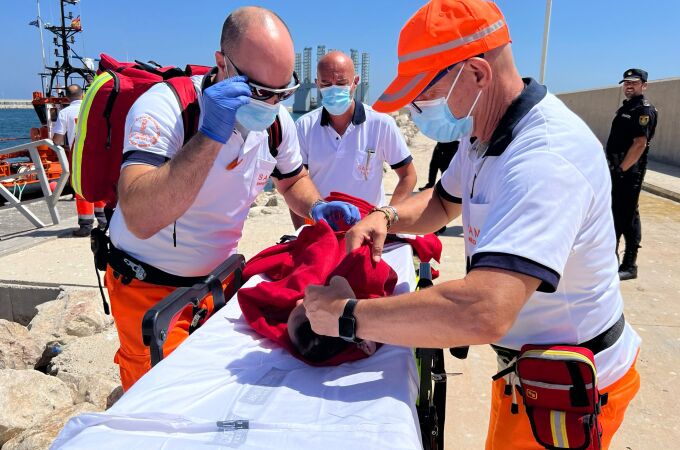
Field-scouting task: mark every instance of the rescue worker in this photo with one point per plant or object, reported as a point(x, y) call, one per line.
point(627, 147)
point(442, 155)
point(533, 188)
point(182, 206)
point(344, 143)
point(63, 134)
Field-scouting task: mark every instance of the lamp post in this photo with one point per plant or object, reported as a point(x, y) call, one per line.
point(546, 32)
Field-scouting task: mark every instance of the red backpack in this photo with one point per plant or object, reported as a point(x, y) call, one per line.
point(98, 147)
point(97, 151)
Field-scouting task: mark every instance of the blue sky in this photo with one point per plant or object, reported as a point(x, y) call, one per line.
point(591, 42)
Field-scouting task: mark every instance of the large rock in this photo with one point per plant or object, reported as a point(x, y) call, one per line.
point(86, 366)
point(402, 120)
point(75, 313)
point(41, 436)
point(27, 397)
point(18, 350)
point(269, 199)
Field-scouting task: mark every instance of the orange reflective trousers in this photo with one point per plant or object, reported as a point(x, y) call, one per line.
point(129, 303)
point(509, 431)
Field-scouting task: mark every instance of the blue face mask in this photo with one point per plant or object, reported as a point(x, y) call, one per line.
point(436, 121)
point(336, 99)
point(257, 115)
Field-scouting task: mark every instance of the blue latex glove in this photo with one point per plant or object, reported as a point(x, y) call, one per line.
point(220, 102)
point(336, 214)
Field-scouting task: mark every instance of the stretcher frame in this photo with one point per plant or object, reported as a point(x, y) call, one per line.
point(224, 282)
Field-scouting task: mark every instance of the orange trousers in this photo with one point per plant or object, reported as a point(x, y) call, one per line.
point(509, 431)
point(129, 303)
point(87, 210)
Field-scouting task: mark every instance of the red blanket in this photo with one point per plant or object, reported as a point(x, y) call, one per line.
point(317, 255)
point(426, 247)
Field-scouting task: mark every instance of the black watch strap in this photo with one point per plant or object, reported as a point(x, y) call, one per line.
point(347, 322)
point(349, 307)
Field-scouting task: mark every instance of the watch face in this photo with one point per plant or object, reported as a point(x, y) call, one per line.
point(346, 328)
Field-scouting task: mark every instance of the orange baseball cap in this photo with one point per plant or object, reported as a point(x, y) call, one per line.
point(440, 34)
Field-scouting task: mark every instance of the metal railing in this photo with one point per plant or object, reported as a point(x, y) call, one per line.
point(49, 196)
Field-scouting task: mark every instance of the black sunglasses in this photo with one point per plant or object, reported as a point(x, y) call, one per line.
point(260, 92)
point(436, 79)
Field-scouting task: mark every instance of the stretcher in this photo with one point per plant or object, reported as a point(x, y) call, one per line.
point(228, 387)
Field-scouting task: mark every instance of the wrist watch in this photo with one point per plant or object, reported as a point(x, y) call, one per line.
point(347, 323)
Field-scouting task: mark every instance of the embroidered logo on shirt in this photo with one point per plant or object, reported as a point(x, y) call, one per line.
point(644, 120)
point(145, 131)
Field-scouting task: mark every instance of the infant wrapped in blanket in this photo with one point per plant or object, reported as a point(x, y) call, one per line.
point(317, 255)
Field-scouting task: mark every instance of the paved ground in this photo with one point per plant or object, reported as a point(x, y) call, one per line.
point(652, 306)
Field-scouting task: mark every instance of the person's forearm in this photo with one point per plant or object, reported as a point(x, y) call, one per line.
point(155, 199)
point(301, 195)
point(423, 213)
point(404, 188)
point(451, 314)
point(297, 220)
point(633, 155)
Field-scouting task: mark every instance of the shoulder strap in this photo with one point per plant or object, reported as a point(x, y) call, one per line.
point(275, 136)
point(185, 93)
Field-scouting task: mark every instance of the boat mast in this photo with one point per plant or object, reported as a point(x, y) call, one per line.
point(64, 37)
point(42, 42)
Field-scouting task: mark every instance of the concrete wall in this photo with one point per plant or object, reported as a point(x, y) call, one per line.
point(597, 107)
point(18, 302)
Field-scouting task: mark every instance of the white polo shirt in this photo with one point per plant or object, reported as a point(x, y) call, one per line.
point(351, 163)
point(538, 202)
point(67, 120)
point(210, 229)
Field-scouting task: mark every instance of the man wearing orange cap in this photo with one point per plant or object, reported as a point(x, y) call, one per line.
point(533, 187)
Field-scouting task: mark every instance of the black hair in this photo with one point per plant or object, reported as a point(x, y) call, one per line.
point(315, 347)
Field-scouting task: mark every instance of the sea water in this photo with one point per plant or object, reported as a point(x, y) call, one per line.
point(16, 123)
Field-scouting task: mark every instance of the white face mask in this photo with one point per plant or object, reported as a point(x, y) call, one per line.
point(436, 121)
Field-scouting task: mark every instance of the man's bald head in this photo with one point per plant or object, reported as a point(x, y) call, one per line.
point(260, 44)
point(74, 92)
point(335, 68)
point(242, 20)
point(333, 65)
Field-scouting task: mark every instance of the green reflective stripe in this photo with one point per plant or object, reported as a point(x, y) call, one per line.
point(81, 133)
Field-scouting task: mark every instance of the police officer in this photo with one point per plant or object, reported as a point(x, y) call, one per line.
point(441, 158)
point(627, 147)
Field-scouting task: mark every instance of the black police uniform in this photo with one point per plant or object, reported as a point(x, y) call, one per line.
point(637, 117)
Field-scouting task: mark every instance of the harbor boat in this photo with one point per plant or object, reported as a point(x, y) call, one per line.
point(17, 171)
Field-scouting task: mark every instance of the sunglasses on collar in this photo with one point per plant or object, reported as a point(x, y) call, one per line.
point(258, 91)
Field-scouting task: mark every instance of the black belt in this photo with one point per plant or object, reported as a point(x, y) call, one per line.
point(597, 344)
point(131, 268)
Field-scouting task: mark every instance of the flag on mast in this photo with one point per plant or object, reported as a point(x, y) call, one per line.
point(75, 24)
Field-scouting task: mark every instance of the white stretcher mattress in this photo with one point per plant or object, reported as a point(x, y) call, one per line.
point(225, 376)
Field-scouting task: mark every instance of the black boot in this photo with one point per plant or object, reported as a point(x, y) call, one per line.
point(628, 268)
point(83, 231)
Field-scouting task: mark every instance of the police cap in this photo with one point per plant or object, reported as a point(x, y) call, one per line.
point(634, 75)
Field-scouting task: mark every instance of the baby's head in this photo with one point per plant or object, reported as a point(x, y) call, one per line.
point(313, 347)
